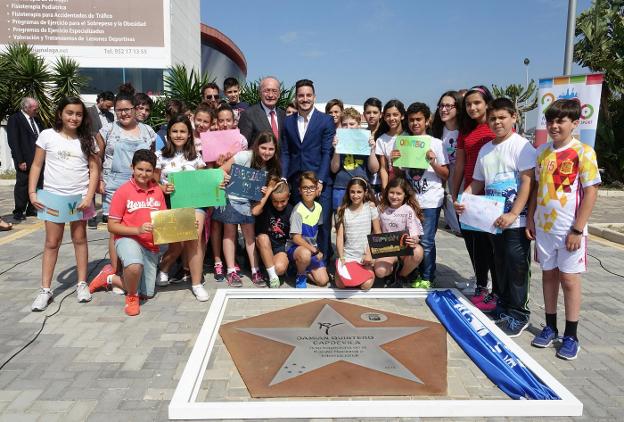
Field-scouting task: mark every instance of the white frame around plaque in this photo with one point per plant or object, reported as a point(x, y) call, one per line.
point(183, 404)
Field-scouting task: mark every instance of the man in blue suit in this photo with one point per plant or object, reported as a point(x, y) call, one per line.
point(307, 146)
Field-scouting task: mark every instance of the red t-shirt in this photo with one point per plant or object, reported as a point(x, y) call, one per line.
point(471, 143)
point(132, 205)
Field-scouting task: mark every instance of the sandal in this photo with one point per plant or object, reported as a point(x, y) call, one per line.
point(4, 226)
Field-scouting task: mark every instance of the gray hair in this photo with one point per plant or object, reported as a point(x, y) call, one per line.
point(266, 78)
point(26, 102)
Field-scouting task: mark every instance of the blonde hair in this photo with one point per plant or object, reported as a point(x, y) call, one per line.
point(351, 113)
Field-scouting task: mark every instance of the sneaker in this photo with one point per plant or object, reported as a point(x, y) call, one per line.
point(82, 291)
point(162, 279)
point(569, 348)
point(274, 283)
point(479, 295)
point(132, 307)
point(219, 273)
point(416, 283)
point(118, 291)
point(41, 301)
point(511, 326)
point(301, 282)
point(545, 338)
point(105, 219)
point(92, 223)
point(200, 293)
point(258, 280)
point(421, 284)
point(488, 304)
point(234, 280)
point(99, 281)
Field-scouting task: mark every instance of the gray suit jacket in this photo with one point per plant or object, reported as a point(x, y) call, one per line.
point(254, 120)
point(96, 123)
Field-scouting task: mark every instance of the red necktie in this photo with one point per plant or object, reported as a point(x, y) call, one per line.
point(274, 124)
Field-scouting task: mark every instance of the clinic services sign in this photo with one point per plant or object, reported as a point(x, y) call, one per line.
point(585, 88)
point(96, 33)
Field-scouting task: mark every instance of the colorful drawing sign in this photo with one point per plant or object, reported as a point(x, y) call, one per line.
point(586, 88)
point(413, 151)
point(246, 182)
point(58, 208)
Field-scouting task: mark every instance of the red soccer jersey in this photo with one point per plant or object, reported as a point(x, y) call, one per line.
point(132, 205)
point(471, 143)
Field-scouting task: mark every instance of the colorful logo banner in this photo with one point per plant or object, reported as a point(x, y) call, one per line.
point(586, 88)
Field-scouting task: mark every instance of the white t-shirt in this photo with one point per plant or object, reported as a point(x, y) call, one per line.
point(449, 141)
point(175, 164)
point(384, 146)
point(426, 183)
point(357, 226)
point(66, 167)
point(499, 167)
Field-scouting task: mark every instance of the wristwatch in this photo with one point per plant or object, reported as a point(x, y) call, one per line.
point(575, 231)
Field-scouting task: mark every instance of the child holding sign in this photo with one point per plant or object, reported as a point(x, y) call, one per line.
point(302, 248)
point(263, 156)
point(356, 218)
point(225, 120)
point(399, 210)
point(202, 119)
point(71, 167)
point(131, 223)
point(428, 185)
point(179, 154)
point(347, 166)
point(504, 168)
point(273, 228)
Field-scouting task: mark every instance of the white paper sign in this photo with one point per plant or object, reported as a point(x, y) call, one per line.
point(481, 212)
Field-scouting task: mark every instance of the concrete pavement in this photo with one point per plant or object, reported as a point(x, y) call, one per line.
point(91, 362)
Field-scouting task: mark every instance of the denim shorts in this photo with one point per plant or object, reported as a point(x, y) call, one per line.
point(230, 214)
point(131, 252)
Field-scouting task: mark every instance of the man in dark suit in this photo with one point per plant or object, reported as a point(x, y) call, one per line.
point(23, 128)
point(100, 113)
point(307, 146)
point(264, 116)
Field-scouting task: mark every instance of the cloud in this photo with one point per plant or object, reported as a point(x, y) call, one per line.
point(289, 37)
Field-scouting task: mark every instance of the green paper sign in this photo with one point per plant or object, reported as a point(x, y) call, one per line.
point(413, 151)
point(198, 188)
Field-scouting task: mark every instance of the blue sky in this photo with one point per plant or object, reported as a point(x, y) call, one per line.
point(411, 50)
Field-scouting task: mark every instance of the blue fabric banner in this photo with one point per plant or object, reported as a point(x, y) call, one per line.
point(496, 361)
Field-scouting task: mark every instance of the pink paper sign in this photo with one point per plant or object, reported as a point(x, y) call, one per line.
point(219, 142)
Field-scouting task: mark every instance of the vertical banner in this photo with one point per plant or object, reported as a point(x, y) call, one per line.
point(585, 88)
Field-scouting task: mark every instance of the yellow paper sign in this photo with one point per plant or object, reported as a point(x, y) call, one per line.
point(171, 226)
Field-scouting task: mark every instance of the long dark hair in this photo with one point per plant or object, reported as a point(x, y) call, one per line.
point(273, 166)
point(83, 131)
point(410, 196)
point(383, 126)
point(437, 127)
point(466, 123)
point(369, 196)
point(189, 147)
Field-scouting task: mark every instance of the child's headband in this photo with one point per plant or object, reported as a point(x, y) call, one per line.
point(478, 88)
point(360, 178)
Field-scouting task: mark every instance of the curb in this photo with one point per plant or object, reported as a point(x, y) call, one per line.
point(7, 182)
point(611, 193)
point(602, 230)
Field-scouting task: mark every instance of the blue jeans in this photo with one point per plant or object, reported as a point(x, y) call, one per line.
point(427, 241)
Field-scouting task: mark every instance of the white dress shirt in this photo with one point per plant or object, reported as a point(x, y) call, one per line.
point(268, 111)
point(302, 125)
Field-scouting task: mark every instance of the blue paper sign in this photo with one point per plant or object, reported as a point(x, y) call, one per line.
point(246, 182)
point(59, 208)
point(353, 141)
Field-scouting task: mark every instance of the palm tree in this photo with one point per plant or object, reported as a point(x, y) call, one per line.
point(184, 85)
point(600, 47)
point(524, 99)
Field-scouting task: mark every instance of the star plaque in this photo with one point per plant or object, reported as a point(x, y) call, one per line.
point(335, 348)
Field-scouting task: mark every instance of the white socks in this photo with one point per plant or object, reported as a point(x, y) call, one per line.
point(271, 272)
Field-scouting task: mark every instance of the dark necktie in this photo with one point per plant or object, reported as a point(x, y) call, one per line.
point(34, 126)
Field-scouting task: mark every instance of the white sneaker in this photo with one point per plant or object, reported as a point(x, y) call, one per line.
point(200, 293)
point(118, 291)
point(41, 301)
point(82, 291)
point(163, 279)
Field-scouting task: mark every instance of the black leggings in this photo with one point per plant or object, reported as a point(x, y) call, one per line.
point(481, 256)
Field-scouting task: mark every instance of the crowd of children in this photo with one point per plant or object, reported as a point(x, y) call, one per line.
point(548, 197)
